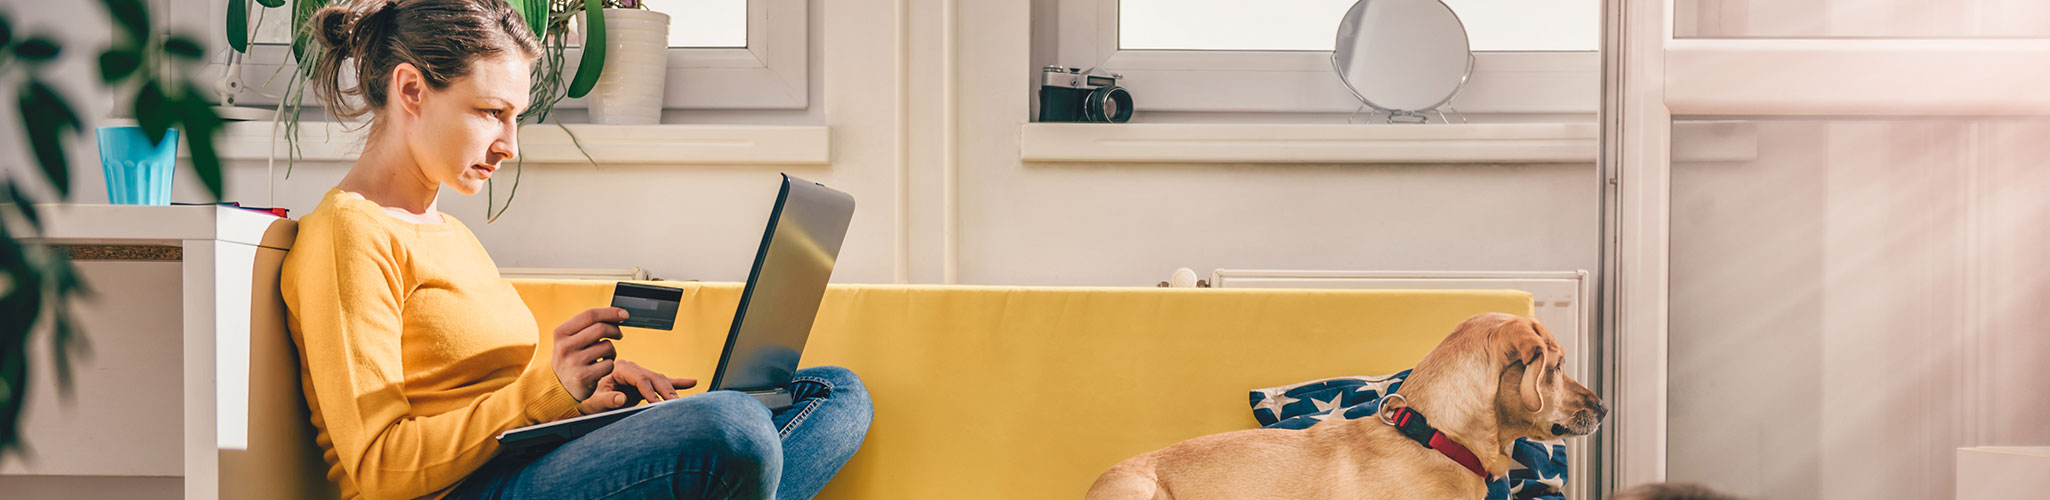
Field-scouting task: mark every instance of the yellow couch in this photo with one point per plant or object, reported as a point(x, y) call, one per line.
point(993, 392)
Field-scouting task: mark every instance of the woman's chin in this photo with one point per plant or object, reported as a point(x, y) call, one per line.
point(468, 185)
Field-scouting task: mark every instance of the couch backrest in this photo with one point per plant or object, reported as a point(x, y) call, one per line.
point(1030, 393)
point(282, 459)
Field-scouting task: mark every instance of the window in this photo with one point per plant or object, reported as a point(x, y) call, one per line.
point(1531, 56)
point(724, 54)
point(1491, 25)
point(705, 23)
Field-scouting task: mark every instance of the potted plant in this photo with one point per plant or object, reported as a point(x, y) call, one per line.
point(635, 47)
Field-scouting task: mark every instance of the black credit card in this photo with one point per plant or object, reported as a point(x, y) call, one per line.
point(647, 306)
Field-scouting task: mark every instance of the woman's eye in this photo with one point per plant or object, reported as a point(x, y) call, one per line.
point(495, 113)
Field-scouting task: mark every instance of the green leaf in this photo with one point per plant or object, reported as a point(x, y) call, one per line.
point(302, 12)
point(238, 25)
point(132, 15)
point(19, 308)
point(593, 62)
point(37, 49)
point(536, 13)
point(67, 344)
point(48, 121)
point(117, 63)
point(201, 127)
point(153, 111)
point(6, 32)
point(184, 47)
point(271, 3)
point(23, 204)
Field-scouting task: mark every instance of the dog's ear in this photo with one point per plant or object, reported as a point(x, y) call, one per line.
point(1521, 342)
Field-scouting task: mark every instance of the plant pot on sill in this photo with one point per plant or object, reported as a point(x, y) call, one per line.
point(630, 90)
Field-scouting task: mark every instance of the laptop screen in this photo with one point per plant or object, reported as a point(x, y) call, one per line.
point(783, 290)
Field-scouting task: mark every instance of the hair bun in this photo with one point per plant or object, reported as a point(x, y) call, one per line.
point(336, 25)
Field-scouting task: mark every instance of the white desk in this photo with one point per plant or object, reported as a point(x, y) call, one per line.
point(229, 308)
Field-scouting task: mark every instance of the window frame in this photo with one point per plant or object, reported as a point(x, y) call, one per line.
point(772, 72)
point(1303, 81)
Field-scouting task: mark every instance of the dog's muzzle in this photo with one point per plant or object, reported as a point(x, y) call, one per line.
point(1584, 422)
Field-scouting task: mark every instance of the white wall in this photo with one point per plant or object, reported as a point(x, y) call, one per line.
point(1113, 224)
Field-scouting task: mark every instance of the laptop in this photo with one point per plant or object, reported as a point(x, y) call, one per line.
point(774, 317)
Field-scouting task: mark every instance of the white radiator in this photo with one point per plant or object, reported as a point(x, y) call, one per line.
point(1563, 301)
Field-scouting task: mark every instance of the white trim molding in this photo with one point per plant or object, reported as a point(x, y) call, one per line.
point(1302, 143)
point(1858, 77)
point(1636, 249)
point(1342, 143)
point(772, 72)
point(607, 144)
point(1303, 81)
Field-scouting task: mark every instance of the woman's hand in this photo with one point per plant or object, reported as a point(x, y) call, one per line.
point(583, 354)
point(630, 383)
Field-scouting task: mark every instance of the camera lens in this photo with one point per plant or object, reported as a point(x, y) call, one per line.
point(1107, 105)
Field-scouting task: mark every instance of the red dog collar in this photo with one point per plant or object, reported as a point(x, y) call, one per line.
point(1417, 428)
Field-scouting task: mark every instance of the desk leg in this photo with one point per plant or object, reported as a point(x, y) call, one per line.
point(216, 359)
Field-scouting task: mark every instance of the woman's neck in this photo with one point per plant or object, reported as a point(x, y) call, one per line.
point(387, 176)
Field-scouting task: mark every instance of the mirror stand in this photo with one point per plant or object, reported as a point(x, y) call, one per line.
point(1399, 116)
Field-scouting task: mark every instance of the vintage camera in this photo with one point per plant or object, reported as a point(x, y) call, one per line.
point(1072, 95)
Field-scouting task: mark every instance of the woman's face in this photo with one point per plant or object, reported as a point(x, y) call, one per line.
point(467, 130)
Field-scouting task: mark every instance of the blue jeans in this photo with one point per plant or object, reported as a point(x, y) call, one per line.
point(720, 444)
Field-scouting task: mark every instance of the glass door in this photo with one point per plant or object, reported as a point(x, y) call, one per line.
point(1831, 240)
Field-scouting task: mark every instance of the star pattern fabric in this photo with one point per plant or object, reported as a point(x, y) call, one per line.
point(1301, 405)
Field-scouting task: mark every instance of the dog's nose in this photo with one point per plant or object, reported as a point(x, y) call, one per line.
point(1601, 410)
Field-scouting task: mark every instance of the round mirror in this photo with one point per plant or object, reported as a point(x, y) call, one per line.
point(1402, 56)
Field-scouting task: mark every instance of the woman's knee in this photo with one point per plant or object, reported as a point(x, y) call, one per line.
point(724, 423)
point(848, 400)
point(726, 434)
point(844, 383)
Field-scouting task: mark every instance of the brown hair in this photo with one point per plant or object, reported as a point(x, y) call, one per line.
point(440, 37)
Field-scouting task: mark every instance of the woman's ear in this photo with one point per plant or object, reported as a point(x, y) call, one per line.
point(408, 88)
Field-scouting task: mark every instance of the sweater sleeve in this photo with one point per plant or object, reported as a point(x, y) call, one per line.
point(345, 289)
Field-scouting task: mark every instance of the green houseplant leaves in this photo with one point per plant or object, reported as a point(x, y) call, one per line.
point(593, 62)
point(238, 25)
point(38, 282)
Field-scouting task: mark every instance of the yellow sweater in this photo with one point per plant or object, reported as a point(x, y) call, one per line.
point(414, 353)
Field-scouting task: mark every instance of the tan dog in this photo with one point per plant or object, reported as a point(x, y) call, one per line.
point(1495, 379)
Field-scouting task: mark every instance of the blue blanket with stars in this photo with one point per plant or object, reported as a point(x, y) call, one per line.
point(1302, 405)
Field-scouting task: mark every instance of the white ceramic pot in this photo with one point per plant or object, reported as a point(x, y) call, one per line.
point(630, 90)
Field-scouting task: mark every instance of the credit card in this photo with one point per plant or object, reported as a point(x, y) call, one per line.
point(647, 306)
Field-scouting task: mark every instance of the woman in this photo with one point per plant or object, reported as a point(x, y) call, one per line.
point(416, 354)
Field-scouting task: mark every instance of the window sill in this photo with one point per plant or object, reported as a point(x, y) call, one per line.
point(607, 144)
point(1349, 143)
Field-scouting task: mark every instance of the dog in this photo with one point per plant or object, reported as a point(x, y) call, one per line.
point(1496, 378)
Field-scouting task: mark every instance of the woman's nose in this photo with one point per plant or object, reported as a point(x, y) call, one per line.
point(506, 150)
point(507, 147)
